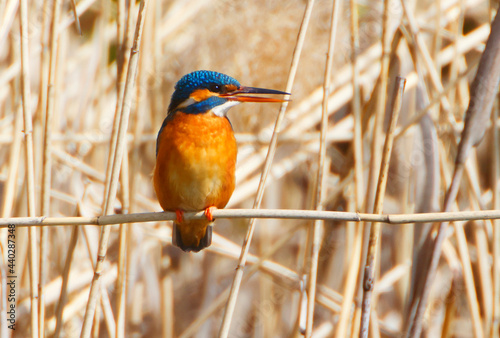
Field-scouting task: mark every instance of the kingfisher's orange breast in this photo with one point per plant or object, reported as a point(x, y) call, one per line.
point(195, 163)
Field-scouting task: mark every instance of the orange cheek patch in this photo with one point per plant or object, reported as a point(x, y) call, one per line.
point(231, 88)
point(201, 94)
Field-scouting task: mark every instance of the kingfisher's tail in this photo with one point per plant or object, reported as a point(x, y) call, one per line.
point(192, 235)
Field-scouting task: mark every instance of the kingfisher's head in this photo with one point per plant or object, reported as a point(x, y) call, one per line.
point(203, 90)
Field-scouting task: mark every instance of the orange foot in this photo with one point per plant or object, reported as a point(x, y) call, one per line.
point(208, 213)
point(179, 214)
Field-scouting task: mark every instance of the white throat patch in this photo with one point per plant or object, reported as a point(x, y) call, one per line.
point(221, 110)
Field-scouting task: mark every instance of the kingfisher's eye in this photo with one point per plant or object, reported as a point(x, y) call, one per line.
point(215, 88)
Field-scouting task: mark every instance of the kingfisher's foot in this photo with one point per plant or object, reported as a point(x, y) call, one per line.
point(179, 214)
point(208, 213)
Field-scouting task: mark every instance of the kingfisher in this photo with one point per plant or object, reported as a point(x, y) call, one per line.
point(196, 152)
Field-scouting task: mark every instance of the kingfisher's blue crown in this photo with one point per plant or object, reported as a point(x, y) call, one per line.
point(200, 79)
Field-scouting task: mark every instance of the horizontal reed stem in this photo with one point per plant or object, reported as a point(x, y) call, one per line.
point(253, 213)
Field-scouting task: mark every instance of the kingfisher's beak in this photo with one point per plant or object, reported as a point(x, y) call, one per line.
point(239, 95)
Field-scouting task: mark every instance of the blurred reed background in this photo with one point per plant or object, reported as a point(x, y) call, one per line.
point(150, 288)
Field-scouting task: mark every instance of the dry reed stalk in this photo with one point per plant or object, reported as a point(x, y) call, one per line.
point(324, 329)
point(15, 154)
point(266, 314)
point(369, 275)
point(11, 72)
point(14, 158)
point(331, 136)
point(286, 165)
point(246, 188)
point(355, 326)
point(49, 111)
point(108, 315)
point(120, 147)
point(78, 301)
point(122, 62)
point(137, 298)
point(77, 164)
point(460, 234)
point(319, 193)
point(167, 297)
point(47, 155)
point(301, 298)
point(332, 295)
point(356, 108)
point(376, 143)
point(342, 95)
point(77, 19)
point(156, 96)
point(350, 283)
point(404, 246)
point(437, 41)
point(374, 324)
point(400, 131)
point(29, 163)
point(80, 9)
point(9, 11)
point(282, 274)
point(450, 312)
point(481, 244)
point(65, 279)
point(483, 92)
point(389, 279)
point(495, 173)
point(123, 30)
point(124, 36)
point(469, 279)
point(121, 281)
point(422, 49)
point(368, 63)
point(350, 228)
point(231, 303)
point(96, 325)
point(299, 214)
point(124, 180)
point(130, 182)
point(44, 66)
point(375, 156)
point(218, 302)
point(455, 65)
point(123, 39)
point(77, 281)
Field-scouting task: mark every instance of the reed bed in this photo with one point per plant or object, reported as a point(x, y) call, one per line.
point(360, 209)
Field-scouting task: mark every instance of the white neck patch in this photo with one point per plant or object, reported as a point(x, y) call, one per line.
point(221, 110)
point(186, 103)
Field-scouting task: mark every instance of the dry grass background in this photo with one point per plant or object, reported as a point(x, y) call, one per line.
point(150, 288)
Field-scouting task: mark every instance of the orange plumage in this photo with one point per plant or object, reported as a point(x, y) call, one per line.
point(195, 168)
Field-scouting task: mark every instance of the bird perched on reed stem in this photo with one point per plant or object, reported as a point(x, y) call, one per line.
point(196, 151)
